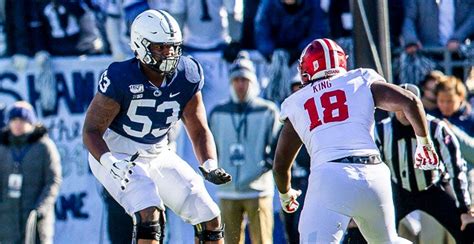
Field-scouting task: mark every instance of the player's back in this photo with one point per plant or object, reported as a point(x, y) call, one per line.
point(335, 117)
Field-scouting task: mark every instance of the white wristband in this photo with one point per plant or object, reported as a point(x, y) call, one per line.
point(210, 164)
point(421, 140)
point(107, 158)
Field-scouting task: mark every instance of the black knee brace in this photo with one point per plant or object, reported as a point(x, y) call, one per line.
point(204, 235)
point(149, 230)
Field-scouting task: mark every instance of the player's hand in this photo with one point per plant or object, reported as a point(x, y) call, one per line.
point(466, 218)
point(213, 174)
point(425, 154)
point(119, 169)
point(288, 200)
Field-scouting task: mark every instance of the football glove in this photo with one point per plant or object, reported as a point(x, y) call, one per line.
point(119, 169)
point(213, 174)
point(288, 200)
point(425, 154)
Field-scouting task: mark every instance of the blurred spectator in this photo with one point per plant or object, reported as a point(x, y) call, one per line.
point(203, 23)
point(466, 143)
point(412, 68)
point(3, 34)
point(2, 114)
point(14, 23)
point(30, 176)
point(434, 24)
point(119, 17)
point(65, 28)
point(248, 23)
point(117, 30)
point(244, 129)
point(247, 39)
point(437, 23)
point(428, 85)
point(132, 8)
point(452, 104)
point(299, 180)
point(470, 86)
point(288, 25)
point(282, 29)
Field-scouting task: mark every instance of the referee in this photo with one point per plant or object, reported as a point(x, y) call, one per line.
point(441, 193)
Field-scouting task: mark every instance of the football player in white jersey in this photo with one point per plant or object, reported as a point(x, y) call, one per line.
point(138, 101)
point(333, 115)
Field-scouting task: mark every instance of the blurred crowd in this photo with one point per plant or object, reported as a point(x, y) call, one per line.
point(277, 29)
point(33, 31)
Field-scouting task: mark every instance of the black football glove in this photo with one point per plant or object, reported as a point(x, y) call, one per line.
point(217, 176)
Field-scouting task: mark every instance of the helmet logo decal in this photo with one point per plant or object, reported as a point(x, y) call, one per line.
point(315, 65)
point(157, 93)
point(172, 31)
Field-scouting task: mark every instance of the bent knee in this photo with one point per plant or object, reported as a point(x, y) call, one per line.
point(213, 224)
point(210, 230)
point(149, 224)
point(150, 214)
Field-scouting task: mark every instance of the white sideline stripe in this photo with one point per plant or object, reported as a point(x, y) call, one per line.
point(326, 53)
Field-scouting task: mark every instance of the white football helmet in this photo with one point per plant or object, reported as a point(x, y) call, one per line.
point(156, 27)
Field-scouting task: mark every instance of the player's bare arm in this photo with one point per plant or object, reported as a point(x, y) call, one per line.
point(100, 114)
point(195, 121)
point(288, 145)
point(393, 98)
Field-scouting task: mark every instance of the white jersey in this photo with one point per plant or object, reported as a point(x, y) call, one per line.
point(335, 117)
point(206, 21)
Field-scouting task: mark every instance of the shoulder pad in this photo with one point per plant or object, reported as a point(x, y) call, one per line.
point(192, 69)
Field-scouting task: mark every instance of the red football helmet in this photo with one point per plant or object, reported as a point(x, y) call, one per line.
point(320, 59)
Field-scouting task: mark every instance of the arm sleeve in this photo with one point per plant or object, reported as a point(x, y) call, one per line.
point(370, 76)
point(409, 31)
point(194, 72)
point(263, 38)
point(284, 111)
point(456, 166)
point(53, 178)
point(107, 87)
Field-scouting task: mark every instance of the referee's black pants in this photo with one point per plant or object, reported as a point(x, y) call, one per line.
point(437, 201)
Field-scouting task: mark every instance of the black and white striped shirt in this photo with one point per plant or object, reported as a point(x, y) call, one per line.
point(397, 144)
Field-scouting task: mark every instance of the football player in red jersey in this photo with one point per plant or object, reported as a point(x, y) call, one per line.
point(333, 115)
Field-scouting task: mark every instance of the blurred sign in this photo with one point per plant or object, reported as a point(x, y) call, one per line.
point(79, 208)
